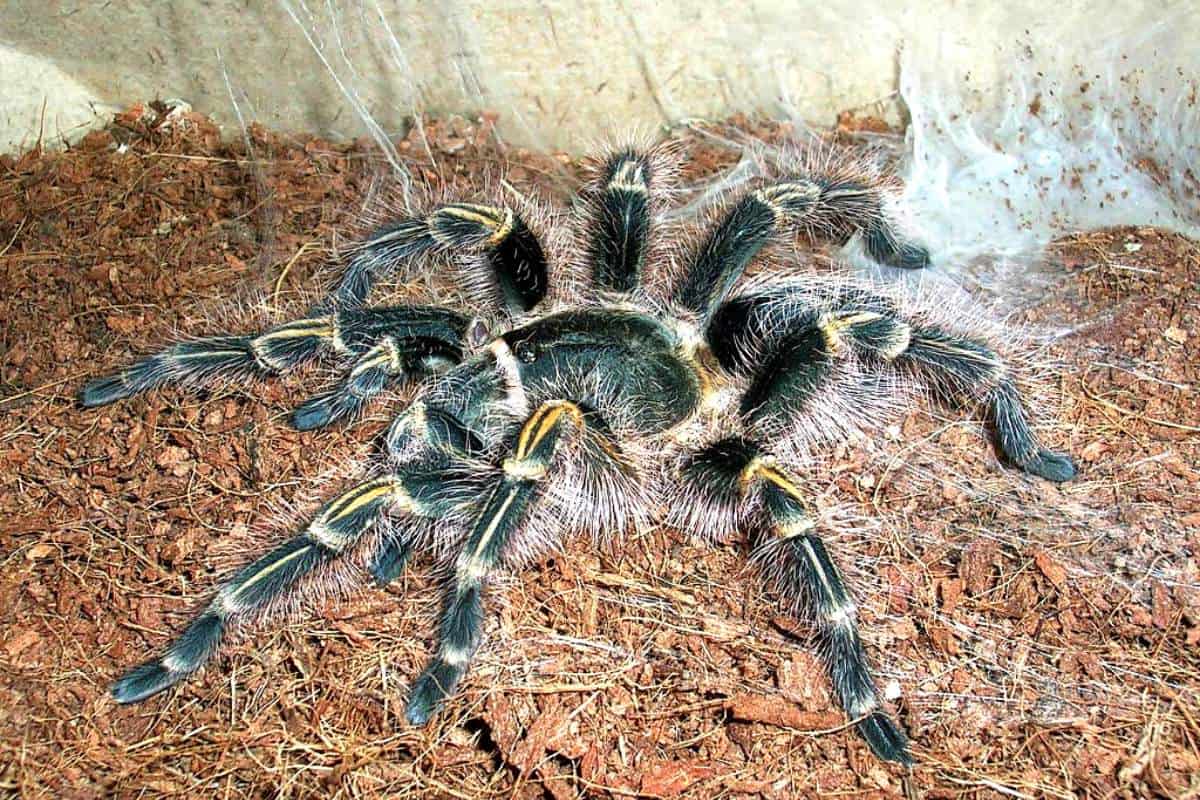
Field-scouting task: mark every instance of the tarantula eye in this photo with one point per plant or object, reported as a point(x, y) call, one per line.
point(526, 351)
point(478, 333)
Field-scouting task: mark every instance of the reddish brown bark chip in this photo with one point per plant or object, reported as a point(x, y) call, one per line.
point(1050, 568)
point(775, 711)
point(671, 778)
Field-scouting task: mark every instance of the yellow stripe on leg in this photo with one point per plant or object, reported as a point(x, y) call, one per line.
point(499, 221)
point(544, 419)
point(356, 498)
point(231, 602)
point(474, 568)
point(320, 327)
point(206, 354)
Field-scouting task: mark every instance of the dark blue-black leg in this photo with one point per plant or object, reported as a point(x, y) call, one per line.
point(500, 517)
point(735, 481)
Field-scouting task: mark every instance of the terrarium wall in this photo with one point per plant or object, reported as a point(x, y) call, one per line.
point(1025, 120)
point(556, 71)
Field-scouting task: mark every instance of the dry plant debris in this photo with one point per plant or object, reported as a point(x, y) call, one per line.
point(1032, 657)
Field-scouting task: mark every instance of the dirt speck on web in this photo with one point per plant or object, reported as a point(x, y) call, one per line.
point(1048, 654)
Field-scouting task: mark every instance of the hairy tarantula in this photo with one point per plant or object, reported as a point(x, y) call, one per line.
point(591, 404)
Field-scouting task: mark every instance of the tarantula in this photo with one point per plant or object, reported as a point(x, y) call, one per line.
point(640, 386)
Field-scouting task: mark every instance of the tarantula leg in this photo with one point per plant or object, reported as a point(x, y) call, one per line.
point(390, 343)
point(217, 358)
point(621, 220)
point(959, 366)
point(789, 347)
point(503, 512)
point(390, 559)
point(282, 349)
point(379, 254)
point(799, 364)
point(369, 376)
point(384, 364)
point(803, 573)
point(422, 426)
point(739, 486)
point(850, 205)
point(795, 371)
point(1017, 441)
point(512, 255)
point(337, 527)
point(819, 204)
point(744, 325)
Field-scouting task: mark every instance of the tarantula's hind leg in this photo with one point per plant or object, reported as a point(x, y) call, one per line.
point(735, 481)
point(501, 516)
point(1016, 441)
point(792, 553)
point(335, 530)
point(790, 340)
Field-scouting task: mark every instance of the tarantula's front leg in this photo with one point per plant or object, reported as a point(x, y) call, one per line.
point(504, 511)
point(394, 352)
point(420, 337)
point(735, 482)
point(513, 272)
point(339, 525)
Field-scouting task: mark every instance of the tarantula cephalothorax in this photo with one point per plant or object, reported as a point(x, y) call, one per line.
point(638, 387)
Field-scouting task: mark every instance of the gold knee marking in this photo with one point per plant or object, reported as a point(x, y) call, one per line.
point(499, 221)
point(832, 326)
point(312, 328)
point(542, 422)
point(510, 371)
point(629, 177)
point(765, 468)
point(777, 196)
point(899, 343)
point(795, 527)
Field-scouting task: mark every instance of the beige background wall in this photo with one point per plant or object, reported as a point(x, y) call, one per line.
point(559, 72)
